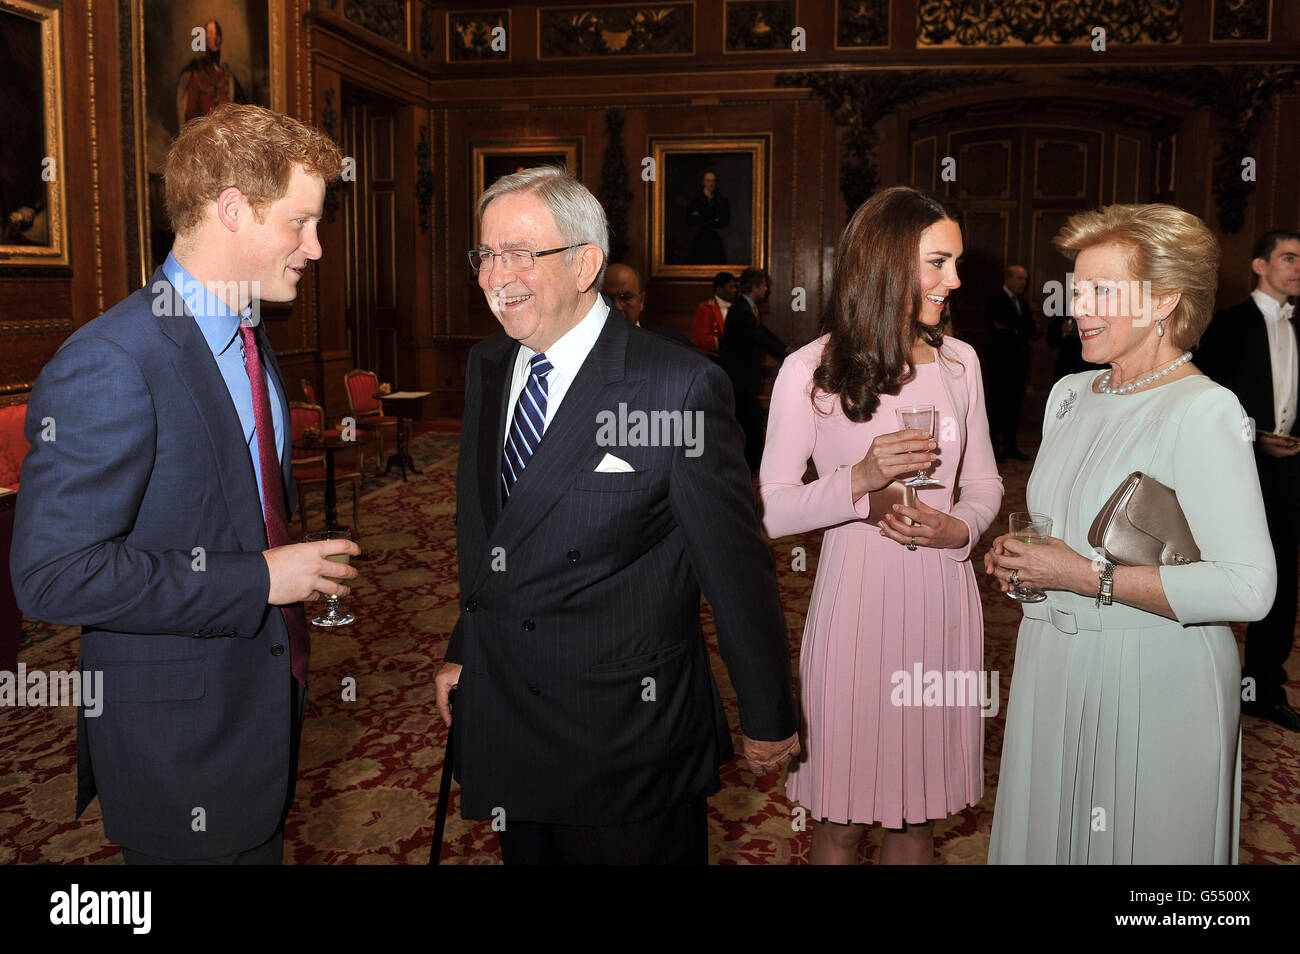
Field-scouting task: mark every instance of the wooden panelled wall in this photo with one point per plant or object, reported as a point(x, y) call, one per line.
point(1028, 150)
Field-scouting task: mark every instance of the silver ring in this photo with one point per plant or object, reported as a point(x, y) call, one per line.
point(1015, 578)
point(911, 543)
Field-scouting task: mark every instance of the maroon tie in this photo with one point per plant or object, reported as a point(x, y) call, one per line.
point(273, 508)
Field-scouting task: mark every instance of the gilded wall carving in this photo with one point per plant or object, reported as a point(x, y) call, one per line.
point(1012, 22)
point(617, 31)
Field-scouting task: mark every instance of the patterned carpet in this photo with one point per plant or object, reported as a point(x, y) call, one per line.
point(370, 768)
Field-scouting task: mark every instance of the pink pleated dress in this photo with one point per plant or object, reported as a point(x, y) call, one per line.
point(871, 752)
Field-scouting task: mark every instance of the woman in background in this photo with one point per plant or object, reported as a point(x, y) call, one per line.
point(890, 596)
point(1122, 740)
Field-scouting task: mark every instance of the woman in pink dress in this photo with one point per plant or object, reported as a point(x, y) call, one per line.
point(890, 673)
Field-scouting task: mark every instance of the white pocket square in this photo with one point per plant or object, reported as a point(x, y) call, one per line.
point(613, 465)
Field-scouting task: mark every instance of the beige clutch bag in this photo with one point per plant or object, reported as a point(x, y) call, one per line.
point(1143, 525)
point(883, 500)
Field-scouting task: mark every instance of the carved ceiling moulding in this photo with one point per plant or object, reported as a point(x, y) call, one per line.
point(969, 23)
point(664, 29)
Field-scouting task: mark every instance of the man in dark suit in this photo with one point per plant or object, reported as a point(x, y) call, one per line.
point(155, 514)
point(1251, 349)
point(624, 292)
point(1012, 323)
point(587, 723)
point(744, 342)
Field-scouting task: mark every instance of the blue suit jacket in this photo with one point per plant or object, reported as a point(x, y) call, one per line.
point(140, 522)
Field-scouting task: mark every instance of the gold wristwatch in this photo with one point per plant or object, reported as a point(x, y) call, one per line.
point(1105, 585)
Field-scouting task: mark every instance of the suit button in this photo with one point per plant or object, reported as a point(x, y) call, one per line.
point(574, 556)
point(529, 626)
point(277, 650)
point(534, 690)
point(471, 606)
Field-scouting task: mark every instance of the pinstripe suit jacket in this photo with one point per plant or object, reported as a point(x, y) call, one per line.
point(586, 695)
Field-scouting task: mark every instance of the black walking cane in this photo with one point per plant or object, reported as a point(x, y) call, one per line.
point(444, 789)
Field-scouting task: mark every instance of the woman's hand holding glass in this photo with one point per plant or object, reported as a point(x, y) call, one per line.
point(889, 457)
point(929, 527)
point(1049, 565)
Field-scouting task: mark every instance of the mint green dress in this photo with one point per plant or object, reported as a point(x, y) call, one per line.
point(1123, 740)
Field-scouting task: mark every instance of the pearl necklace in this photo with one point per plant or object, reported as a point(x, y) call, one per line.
point(1104, 384)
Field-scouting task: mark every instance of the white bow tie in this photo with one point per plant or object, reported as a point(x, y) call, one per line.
point(1286, 311)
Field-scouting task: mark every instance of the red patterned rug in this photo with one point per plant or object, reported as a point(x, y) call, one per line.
point(370, 768)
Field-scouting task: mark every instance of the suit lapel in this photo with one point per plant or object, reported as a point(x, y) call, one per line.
point(567, 443)
point(497, 377)
point(199, 373)
point(1263, 376)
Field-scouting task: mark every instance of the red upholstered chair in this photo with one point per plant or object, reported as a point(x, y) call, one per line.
point(309, 466)
point(309, 393)
point(13, 448)
point(366, 408)
point(13, 445)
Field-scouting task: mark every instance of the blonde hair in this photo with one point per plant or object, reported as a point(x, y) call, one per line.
point(1168, 247)
point(247, 147)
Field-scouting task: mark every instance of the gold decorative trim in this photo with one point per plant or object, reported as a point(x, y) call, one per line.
point(36, 326)
point(446, 220)
point(98, 230)
point(49, 15)
point(794, 190)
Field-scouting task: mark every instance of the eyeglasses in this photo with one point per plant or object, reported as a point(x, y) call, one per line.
point(515, 259)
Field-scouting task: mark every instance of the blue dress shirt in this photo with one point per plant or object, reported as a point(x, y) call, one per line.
point(220, 327)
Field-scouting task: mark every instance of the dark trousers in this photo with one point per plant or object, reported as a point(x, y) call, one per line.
point(271, 851)
point(750, 415)
point(1269, 641)
point(1006, 391)
point(680, 836)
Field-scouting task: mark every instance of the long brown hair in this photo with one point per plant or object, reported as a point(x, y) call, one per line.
point(875, 300)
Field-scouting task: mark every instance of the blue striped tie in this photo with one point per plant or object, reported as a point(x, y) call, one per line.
point(528, 425)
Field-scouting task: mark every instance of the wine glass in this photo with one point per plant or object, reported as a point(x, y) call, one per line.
point(332, 615)
point(918, 417)
point(1029, 528)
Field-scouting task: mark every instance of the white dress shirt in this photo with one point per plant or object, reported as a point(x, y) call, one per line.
point(1282, 356)
point(725, 306)
point(566, 357)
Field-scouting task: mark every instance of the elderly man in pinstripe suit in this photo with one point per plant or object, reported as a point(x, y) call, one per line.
point(587, 723)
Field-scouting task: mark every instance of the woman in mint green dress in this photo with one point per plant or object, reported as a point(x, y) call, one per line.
point(1123, 742)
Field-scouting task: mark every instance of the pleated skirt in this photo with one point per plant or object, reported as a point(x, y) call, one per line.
point(1121, 747)
point(879, 616)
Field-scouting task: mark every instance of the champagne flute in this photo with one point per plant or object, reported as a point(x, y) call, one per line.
point(1029, 528)
point(918, 417)
point(332, 615)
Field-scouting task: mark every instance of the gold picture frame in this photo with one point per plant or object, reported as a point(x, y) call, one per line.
point(33, 194)
point(260, 68)
point(686, 243)
point(491, 159)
